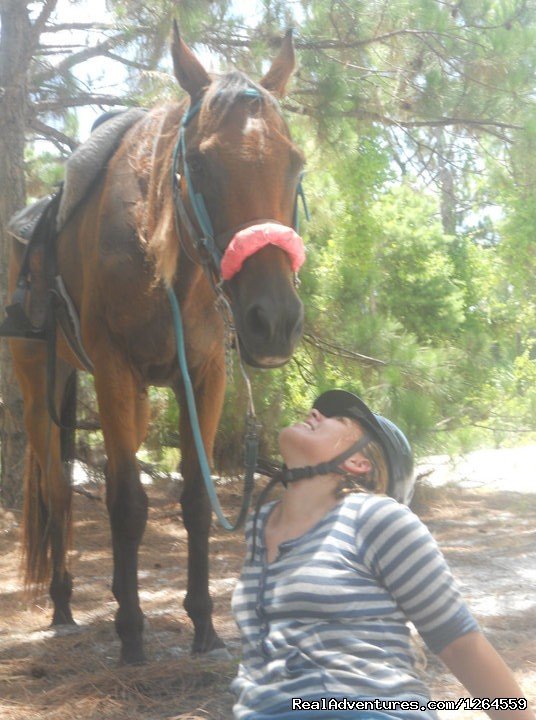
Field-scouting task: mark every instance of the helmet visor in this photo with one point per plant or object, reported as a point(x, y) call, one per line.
point(395, 446)
point(341, 403)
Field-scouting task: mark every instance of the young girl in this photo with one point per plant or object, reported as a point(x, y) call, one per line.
point(331, 580)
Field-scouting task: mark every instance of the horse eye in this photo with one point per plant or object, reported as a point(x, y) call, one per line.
point(195, 163)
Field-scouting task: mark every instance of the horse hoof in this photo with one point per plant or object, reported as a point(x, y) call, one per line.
point(219, 654)
point(65, 629)
point(208, 648)
point(63, 618)
point(132, 657)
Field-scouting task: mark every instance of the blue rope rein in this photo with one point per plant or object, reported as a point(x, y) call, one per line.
point(251, 440)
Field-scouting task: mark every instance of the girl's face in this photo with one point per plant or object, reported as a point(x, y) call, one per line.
point(317, 439)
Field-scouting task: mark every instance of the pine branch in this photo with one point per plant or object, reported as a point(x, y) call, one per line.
point(91, 425)
point(507, 24)
point(488, 125)
point(56, 136)
point(55, 106)
point(39, 25)
point(128, 63)
point(82, 491)
point(98, 27)
point(214, 38)
point(46, 50)
point(76, 58)
point(334, 349)
point(437, 122)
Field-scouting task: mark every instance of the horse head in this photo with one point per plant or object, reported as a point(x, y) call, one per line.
point(238, 173)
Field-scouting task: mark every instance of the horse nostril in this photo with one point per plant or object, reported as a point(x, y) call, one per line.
point(295, 326)
point(258, 322)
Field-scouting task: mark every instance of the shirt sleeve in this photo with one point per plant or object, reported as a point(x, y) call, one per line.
point(400, 552)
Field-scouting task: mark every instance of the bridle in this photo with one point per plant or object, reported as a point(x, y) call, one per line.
point(201, 231)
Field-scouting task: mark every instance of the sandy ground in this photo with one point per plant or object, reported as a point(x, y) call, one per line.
point(488, 537)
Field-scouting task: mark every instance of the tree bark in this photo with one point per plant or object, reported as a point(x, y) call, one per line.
point(447, 185)
point(15, 57)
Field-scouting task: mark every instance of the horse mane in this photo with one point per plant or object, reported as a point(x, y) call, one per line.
point(151, 156)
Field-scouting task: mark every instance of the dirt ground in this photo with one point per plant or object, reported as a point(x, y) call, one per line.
point(489, 540)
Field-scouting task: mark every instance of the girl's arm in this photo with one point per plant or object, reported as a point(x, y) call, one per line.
point(480, 668)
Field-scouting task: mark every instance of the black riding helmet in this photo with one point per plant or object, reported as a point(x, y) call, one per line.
point(396, 448)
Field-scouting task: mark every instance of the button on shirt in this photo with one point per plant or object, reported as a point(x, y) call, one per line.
point(328, 617)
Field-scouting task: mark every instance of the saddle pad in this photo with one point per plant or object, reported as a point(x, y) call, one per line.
point(90, 158)
point(22, 224)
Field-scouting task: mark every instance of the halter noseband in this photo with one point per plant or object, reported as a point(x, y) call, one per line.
point(245, 239)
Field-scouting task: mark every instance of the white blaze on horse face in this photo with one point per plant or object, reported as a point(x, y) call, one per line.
point(255, 127)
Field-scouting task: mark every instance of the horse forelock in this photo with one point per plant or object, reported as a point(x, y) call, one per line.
point(223, 94)
point(265, 133)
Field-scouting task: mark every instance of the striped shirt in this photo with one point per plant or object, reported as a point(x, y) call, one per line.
point(328, 617)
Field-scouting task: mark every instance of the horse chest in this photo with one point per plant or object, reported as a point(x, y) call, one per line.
point(152, 347)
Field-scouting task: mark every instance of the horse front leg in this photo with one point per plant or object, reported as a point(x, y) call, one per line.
point(124, 420)
point(196, 510)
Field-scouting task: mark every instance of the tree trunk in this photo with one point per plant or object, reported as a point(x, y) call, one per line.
point(447, 184)
point(15, 56)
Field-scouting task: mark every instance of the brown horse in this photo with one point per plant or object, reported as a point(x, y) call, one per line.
point(116, 253)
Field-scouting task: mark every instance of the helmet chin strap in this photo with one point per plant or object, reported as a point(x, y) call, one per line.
point(287, 475)
point(332, 466)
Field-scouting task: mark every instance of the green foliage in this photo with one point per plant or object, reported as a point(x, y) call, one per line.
point(417, 119)
point(43, 171)
point(416, 282)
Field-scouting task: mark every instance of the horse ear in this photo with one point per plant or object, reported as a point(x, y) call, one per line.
point(278, 75)
point(191, 75)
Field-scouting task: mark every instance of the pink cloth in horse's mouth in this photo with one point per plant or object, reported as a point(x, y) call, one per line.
point(250, 240)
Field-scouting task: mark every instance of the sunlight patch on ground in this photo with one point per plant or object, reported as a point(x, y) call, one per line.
point(510, 469)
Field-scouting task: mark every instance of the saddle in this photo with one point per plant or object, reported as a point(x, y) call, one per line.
point(33, 227)
point(40, 298)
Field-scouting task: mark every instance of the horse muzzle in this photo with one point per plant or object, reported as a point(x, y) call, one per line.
point(267, 310)
point(270, 327)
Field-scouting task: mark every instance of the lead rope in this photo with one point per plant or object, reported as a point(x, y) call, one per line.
point(251, 440)
point(251, 436)
point(230, 341)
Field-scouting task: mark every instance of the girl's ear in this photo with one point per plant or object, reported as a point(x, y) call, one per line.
point(357, 465)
